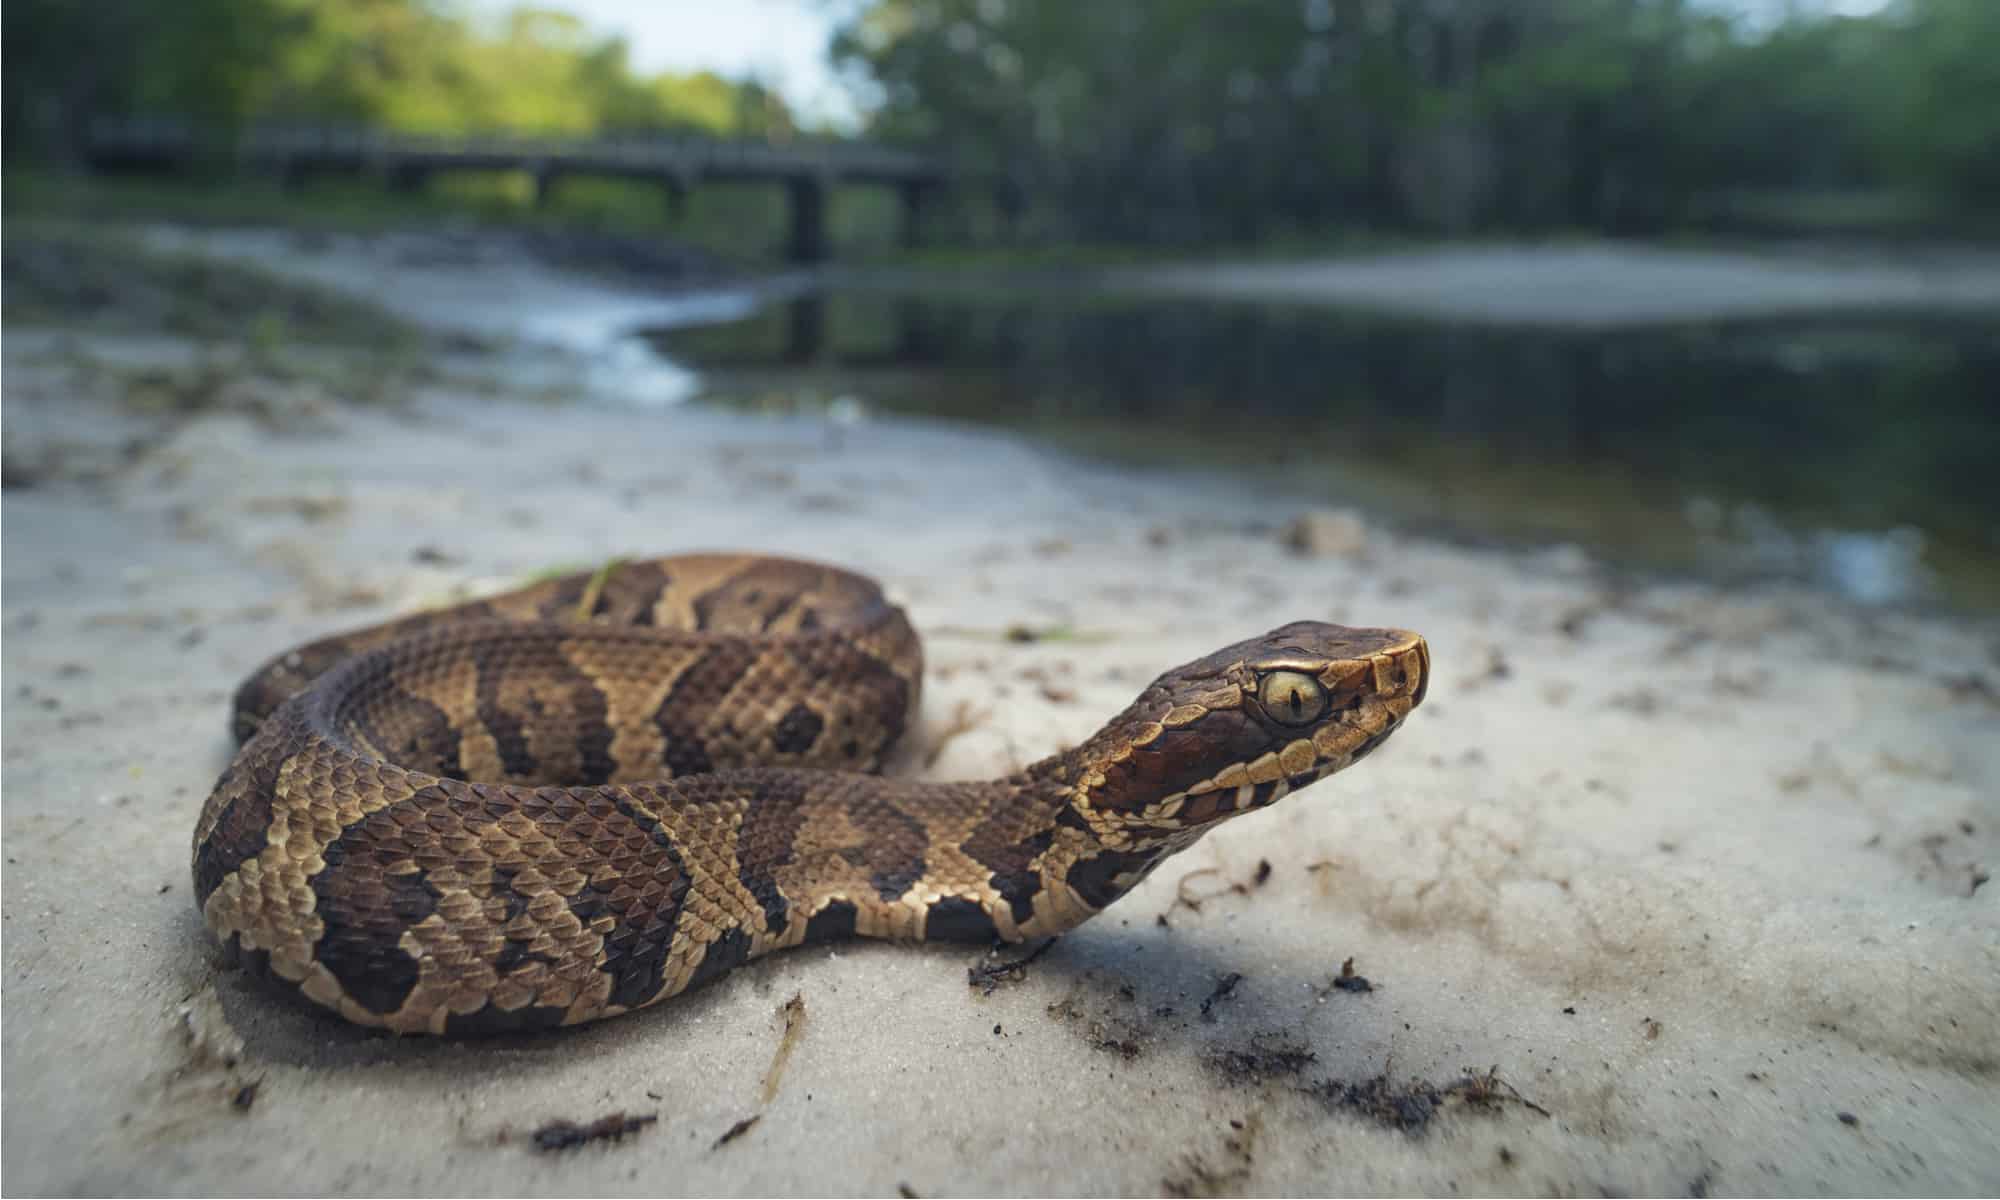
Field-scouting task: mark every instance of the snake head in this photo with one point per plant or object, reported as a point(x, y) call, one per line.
point(1244, 726)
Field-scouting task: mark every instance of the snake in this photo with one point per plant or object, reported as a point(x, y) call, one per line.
point(597, 791)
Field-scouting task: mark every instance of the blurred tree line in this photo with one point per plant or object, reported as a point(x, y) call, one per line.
point(415, 65)
point(1157, 120)
point(1204, 120)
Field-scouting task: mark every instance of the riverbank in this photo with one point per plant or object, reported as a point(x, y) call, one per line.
point(1666, 888)
point(1602, 285)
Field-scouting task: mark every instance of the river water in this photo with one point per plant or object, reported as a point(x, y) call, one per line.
point(1860, 452)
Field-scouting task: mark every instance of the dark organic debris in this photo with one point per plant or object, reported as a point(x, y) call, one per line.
point(567, 1135)
point(1108, 1041)
point(1110, 1035)
point(246, 1095)
point(1848, 1118)
point(1223, 987)
point(431, 556)
point(1411, 1106)
point(990, 974)
point(1349, 981)
point(1262, 1059)
point(1573, 621)
point(1971, 686)
point(736, 1131)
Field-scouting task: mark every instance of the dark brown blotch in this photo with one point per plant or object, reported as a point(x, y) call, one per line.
point(1010, 841)
point(365, 910)
point(411, 732)
point(957, 919)
point(1095, 879)
point(832, 923)
point(493, 1019)
point(679, 717)
point(1180, 758)
point(562, 740)
point(797, 730)
point(724, 954)
point(765, 841)
point(240, 830)
point(894, 851)
point(642, 885)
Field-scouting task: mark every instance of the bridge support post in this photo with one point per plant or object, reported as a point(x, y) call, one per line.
point(545, 186)
point(408, 178)
point(677, 198)
point(912, 193)
point(1008, 202)
point(807, 194)
point(805, 328)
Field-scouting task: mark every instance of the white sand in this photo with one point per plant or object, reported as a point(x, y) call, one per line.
point(1694, 872)
point(1602, 285)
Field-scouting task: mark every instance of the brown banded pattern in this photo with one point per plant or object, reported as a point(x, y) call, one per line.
point(595, 792)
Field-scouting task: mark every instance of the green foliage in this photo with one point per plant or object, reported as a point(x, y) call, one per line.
point(1940, 115)
point(413, 65)
point(1157, 121)
point(1188, 120)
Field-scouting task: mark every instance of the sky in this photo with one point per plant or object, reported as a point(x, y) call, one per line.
point(783, 42)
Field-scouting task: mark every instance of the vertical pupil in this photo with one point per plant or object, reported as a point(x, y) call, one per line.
point(1298, 705)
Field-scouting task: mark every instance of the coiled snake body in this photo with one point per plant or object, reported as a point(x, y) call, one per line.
point(596, 792)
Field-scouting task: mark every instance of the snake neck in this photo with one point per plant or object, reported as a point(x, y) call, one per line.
point(1077, 862)
point(1006, 860)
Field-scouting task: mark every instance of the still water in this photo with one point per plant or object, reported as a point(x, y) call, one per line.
point(1859, 453)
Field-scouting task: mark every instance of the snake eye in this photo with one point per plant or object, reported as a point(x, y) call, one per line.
point(1291, 698)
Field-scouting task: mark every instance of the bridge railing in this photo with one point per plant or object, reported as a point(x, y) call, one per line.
point(690, 153)
point(162, 139)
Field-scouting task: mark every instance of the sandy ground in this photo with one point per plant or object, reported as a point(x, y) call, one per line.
point(1604, 285)
point(1665, 890)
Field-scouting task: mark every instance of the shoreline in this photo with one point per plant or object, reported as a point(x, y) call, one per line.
point(1586, 285)
point(1602, 285)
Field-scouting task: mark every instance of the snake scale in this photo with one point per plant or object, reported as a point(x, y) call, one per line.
point(593, 793)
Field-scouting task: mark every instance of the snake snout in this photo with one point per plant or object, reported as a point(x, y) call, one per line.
point(1403, 670)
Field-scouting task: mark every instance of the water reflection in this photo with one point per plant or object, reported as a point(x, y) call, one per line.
point(1860, 452)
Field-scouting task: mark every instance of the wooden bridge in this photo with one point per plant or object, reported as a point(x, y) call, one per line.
point(806, 169)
